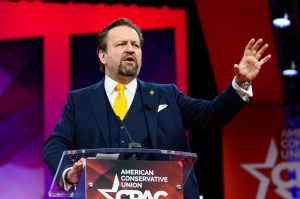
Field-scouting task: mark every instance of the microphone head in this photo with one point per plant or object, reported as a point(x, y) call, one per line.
point(147, 106)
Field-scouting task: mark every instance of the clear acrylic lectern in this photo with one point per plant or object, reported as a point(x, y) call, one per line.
point(130, 172)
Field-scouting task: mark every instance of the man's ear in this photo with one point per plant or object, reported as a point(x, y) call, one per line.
point(101, 56)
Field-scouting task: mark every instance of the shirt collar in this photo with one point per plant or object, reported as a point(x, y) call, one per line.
point(110, 84)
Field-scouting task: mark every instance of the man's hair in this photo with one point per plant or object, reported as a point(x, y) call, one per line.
point(101, 38)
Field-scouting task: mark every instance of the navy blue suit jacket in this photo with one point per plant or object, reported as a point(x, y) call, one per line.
point(84, 123)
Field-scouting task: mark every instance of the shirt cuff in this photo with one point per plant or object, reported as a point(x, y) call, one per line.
point(66, 185)
point(244, 94)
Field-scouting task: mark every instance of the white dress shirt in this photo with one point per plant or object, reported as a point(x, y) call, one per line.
point(111, 92)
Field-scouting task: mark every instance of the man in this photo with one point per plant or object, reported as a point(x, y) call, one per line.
point(89, 120)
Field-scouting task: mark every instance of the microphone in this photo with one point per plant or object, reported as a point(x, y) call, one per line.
point(147, 106)
point(132, 143)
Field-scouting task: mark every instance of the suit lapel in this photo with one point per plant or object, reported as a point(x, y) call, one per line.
point(97, 100)
point(150, 97)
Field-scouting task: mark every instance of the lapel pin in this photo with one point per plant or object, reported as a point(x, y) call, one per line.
point(151, 92)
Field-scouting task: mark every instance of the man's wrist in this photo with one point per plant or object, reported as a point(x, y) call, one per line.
point(66, 177)
point(243, 84)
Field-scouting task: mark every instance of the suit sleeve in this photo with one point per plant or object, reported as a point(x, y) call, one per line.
point(205, 114)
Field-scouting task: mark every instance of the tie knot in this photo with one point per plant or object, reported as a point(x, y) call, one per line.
point(120, 87)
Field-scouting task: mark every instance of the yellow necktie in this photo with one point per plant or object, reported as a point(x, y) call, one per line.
point(120, 105)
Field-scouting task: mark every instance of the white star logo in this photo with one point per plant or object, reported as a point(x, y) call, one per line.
point(114, 188)
point(269, 163)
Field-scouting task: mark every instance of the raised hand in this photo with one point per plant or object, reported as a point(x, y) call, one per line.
point(251, 62)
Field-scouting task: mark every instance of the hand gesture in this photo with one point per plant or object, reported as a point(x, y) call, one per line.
point(75, 173)
point(251, 61)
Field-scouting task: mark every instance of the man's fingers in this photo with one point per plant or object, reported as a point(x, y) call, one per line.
point(80, 163)
point(250, 44)
point(261, 51)
point(265, 59)
point(78, 166)
point(256, 45)
point(253, 46)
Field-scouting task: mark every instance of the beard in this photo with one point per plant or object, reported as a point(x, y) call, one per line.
point(128, 70)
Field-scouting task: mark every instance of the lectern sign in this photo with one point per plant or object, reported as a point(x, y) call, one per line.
point(125, 173)
point(134, 179)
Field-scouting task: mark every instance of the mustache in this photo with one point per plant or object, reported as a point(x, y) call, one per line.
point(129, 57)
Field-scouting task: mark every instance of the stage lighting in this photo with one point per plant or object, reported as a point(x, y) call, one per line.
point(282, 22)
point(291, 71)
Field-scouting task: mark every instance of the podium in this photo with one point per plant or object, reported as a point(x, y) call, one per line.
point(119, 173)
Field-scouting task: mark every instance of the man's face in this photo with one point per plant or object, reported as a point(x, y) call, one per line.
point(123, 57)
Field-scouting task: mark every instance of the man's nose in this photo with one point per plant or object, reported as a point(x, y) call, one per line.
point(129, 47)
